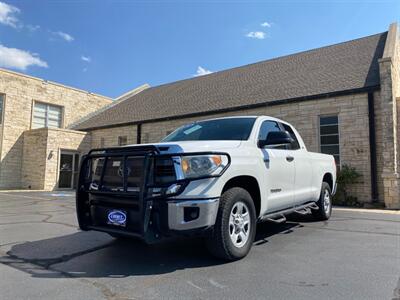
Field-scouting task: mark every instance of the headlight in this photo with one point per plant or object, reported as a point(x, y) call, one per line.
point(203, 165)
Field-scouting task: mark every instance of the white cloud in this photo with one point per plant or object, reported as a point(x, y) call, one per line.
point(256, 35)
point(202, 71)
point(65, 36)
point(19, 59)
point(86, 58)
point(266, 24)
point(32, 28)
point(8, 15)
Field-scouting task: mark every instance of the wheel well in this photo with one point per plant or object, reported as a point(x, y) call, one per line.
point(248, 183)
point(328, 179)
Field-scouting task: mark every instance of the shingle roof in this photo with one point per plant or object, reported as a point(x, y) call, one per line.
point(340, 67)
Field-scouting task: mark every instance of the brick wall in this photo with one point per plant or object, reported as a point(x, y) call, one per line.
point(20, 92)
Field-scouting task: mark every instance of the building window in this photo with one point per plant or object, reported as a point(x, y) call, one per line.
point(1, 108)
point(329, 136)
point(122, 140)
point(102, 142)
point(46, 115)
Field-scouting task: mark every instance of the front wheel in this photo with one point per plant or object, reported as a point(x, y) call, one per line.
point(235, 227)
point(324, 203)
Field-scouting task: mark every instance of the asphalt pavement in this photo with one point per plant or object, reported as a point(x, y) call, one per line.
point(354, 255)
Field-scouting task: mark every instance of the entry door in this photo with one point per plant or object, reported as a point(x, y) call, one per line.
point(68, 175)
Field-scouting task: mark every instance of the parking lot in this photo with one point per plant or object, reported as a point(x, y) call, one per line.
point(355, 255)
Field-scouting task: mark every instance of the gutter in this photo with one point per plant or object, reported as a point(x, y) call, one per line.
point(372, 147)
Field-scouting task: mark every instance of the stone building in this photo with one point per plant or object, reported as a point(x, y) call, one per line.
point(37, 148)
point(343, 99)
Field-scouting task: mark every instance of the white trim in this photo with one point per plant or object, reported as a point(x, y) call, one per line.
point(53, 83)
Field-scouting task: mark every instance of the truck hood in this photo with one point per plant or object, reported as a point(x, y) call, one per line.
point(195, 146)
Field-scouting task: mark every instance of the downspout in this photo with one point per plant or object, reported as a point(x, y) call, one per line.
point(139, 133)
point(372, 147)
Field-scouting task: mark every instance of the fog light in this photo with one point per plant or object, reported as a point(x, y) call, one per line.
point(190, 213)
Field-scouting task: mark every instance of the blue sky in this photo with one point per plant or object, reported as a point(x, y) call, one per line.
point(110, 47)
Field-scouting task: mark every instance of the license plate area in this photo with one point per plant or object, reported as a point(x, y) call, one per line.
point(99, 217)
point(117, 217)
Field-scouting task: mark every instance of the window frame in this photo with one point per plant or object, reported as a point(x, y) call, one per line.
point(261, 125)
point(48, 105)
point(293, 135)
point(274, 147)
point(338, 135)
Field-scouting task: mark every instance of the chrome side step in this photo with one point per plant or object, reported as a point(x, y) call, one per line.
point(303, 211)
point(278, 220)
point(314, 206)
point(279, 216)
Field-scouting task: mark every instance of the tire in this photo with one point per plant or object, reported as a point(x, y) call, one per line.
point(236, 209)
point(324, 204)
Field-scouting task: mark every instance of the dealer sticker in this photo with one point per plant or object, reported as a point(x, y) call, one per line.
point(117, 218)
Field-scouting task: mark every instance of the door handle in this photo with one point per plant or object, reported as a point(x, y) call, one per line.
point(289, 158)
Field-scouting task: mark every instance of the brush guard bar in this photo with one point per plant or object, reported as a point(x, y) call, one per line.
point(145, 207)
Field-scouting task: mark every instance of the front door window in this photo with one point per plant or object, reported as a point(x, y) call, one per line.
point(68, 170)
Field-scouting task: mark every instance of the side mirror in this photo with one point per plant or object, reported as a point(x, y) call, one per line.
point(276, 138)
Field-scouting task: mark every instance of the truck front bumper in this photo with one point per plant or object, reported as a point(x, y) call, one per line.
point(192, 214)
point(165, 218)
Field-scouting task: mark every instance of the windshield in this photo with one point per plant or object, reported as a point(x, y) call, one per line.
point(220, 129)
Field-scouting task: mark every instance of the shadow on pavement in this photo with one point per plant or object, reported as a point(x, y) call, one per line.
point(94, 254)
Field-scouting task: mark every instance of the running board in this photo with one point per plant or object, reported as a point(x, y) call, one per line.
point(303, 211)
point(279, 216)
point(278, 220)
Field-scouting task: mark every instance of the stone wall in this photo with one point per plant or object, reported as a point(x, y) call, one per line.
point(110, 136)
point(353, 129)
point(41, 155)
point(33, 169)
point(20, 93)
point(389, 67)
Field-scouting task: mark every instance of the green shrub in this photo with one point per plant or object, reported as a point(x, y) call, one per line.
point(346, 176)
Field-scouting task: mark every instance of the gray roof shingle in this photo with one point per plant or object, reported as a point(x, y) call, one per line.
point(340, 67)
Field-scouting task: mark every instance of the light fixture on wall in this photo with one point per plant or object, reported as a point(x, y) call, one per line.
point(50, 156)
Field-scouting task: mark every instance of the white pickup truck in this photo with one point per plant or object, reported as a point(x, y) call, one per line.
point(215, 178)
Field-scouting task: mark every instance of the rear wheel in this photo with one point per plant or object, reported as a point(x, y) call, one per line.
point(324, 203)
point(235, 226)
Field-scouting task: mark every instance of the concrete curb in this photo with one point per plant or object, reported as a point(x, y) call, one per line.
point(368, 210)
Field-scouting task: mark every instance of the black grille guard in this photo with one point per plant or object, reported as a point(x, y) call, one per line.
point(144, 201)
